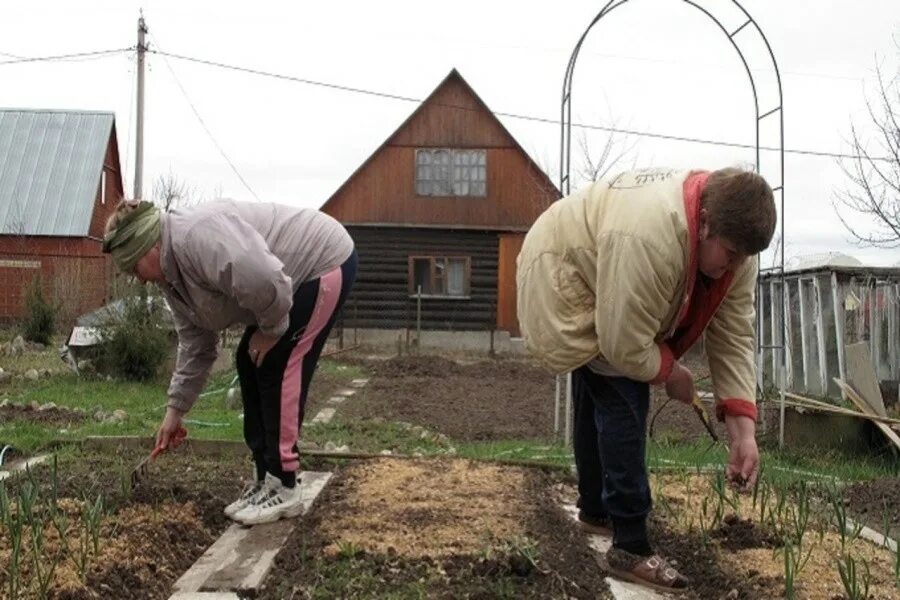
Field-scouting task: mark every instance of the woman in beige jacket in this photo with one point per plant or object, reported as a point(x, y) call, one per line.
point(615, 283)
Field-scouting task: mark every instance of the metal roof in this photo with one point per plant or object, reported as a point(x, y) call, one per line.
point(50, 167)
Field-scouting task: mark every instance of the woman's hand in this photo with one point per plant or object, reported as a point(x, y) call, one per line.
point(743, 459)
point(259, 347)
point(680, 384)
point(170, 424)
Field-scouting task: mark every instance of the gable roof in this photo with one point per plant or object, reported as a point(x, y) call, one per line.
point(454, 77)
point(50, 167)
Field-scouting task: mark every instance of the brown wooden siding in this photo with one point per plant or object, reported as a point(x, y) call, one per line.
point(382, 191)
point(380, 299)
point(385, 192)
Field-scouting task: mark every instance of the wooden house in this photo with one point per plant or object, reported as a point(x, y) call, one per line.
point(438, 213)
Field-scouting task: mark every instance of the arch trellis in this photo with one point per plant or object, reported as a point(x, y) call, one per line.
point(777, 343)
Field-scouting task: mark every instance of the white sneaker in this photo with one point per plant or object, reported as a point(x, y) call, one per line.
point(273, 502)
point(247, 496)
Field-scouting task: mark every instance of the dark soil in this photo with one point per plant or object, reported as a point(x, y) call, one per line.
point(154, 532)
point(709, 581)
point(491, 400)
point(874, 502)
point(562, 567)
point(51, 416)
point(736, 533)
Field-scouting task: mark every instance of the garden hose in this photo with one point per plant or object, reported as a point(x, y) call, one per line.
point(7, 448)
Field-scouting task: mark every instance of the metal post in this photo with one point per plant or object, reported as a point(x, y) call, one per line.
point(774, 325)
point(780, 373)
point(355, 321)
point(568, 410)
point(139, 132)
point(872, 302)
point(894, 332)
point(805, 324)
point(820, 335)
point(419, 318)
point(788, 335)
point(878, 304)
point(556, 406)
point(837, 297)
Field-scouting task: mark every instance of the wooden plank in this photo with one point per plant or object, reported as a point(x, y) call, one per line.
point(861, 376)
point(864, 407)
point(240, 559)
point(813, 404)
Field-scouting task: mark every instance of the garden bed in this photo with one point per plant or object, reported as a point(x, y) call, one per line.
point(491, 400)
point(133, 543)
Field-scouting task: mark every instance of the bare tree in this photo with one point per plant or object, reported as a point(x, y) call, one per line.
point(171, 192)
point(593, 161)
point(596, 162)
point(874, 171)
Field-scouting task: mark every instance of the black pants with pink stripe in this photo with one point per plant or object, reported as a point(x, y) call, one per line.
point(274, 394)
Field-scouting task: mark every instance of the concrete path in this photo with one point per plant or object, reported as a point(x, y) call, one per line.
point(242, 557)
point(339, 397)
point(204, 596)
point(323, 416)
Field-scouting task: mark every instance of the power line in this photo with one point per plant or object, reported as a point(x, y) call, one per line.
point(203, 123)
point(649, 134)
point(34, 59)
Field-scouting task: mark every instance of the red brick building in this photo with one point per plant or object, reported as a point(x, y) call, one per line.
point(60, 179)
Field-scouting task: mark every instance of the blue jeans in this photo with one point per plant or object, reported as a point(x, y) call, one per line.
point(610, 424)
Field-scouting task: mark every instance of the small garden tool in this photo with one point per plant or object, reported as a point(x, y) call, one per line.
point(697, 405)
point(140, 471)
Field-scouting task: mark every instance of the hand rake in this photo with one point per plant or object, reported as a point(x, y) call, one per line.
point(140, 472)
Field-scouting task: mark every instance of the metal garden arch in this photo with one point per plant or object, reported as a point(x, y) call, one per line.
point(747, 27)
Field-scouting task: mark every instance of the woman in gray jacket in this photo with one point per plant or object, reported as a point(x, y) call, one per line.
point(282, 271)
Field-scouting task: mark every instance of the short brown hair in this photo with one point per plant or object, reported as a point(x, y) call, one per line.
point(740, 207)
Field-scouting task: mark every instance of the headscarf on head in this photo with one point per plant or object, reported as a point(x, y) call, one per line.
point(133, 236)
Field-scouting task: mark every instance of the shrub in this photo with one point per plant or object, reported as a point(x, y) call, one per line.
point(40, 318)
point(135, 339)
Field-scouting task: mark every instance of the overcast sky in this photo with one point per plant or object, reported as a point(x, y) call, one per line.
point(652, 66)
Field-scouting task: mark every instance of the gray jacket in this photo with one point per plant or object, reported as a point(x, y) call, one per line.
point(228, 262)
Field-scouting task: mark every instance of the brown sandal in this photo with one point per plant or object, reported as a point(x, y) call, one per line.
point(650, 571)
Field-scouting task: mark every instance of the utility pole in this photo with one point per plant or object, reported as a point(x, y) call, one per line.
point(139, 133)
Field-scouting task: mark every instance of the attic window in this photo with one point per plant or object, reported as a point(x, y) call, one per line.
point(447, 172)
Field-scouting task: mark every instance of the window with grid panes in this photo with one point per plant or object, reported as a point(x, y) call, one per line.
point(446, 276)
point(448, 172)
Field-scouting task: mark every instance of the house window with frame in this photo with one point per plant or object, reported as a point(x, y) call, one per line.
point(448, 172)
point(440, 276)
